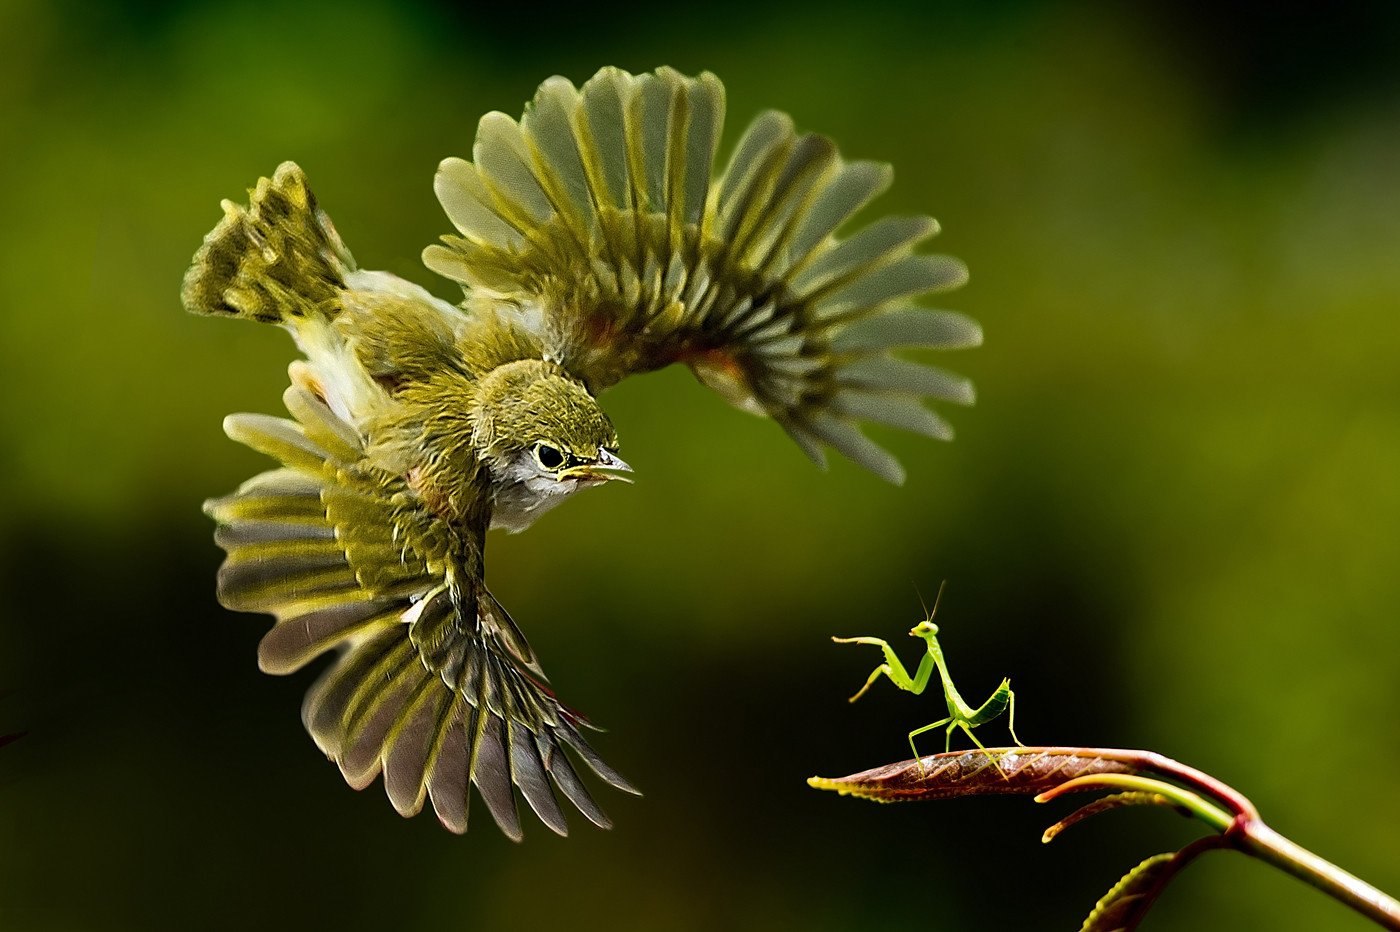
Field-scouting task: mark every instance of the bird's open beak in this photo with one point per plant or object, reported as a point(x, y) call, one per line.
point(609, 466)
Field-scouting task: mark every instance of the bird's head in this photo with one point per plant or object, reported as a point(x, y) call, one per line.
point(543, 436)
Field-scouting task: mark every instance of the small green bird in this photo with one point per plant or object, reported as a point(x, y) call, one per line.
point(592, 244)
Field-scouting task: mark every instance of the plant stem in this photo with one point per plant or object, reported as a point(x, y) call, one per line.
point(1253, 837)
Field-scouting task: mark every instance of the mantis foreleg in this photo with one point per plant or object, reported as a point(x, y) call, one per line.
point(892, 668)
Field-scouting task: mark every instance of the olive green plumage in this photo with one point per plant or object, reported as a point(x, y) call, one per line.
point(592, 243)
point(281, 258)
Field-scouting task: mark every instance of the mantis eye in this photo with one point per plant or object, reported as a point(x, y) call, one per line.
point(548, 457)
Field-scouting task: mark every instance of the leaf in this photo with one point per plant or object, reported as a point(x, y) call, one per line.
point(1124, 907)
point(994, 772)
point(1045, 772)
point(1113, 801)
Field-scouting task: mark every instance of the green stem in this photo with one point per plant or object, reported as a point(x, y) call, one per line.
point(1254, 837)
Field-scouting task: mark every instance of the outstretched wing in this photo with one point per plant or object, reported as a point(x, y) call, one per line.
point(596, 215)
point(434, 687)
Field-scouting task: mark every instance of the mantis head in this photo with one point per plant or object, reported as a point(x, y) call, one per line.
point(925, 629)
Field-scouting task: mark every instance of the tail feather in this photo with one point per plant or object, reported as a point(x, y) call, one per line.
point(278, 258)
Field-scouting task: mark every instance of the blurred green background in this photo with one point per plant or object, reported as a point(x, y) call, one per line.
point(1172, 518)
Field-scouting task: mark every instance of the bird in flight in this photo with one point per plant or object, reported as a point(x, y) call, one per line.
point(592, 242)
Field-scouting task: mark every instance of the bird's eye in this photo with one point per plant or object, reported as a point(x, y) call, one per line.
point(548, 456)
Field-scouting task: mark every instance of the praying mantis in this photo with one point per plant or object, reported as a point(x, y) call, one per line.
point(960, 714)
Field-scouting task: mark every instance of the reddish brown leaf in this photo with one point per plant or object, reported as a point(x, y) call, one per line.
point(1114, 801)
point(1125, 906)
point(996, 771)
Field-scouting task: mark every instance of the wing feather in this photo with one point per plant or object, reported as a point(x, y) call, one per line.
point(599, 207)
point(409, 746)
point(435, 687)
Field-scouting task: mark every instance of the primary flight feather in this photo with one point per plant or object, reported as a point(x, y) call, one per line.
point(592, 243)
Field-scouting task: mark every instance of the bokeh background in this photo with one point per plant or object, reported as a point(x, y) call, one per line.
point(1173, 516)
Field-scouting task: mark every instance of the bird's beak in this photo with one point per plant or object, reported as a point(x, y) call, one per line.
point(609, 466)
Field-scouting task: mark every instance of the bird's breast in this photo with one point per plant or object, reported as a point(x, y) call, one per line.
point(520, 504)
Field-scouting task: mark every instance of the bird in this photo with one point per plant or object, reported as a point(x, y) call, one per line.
point(593, 239)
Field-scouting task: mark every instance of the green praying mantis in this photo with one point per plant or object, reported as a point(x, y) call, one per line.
point(960, 714)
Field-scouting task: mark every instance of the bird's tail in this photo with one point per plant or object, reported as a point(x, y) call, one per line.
point(275, 260)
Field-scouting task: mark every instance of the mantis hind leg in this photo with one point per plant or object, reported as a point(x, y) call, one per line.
point(1011, 717)
point(994, 758)
point(967, 729)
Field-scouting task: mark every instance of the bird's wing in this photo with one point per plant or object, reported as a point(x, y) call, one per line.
point(435, 687)
point(596, 216)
